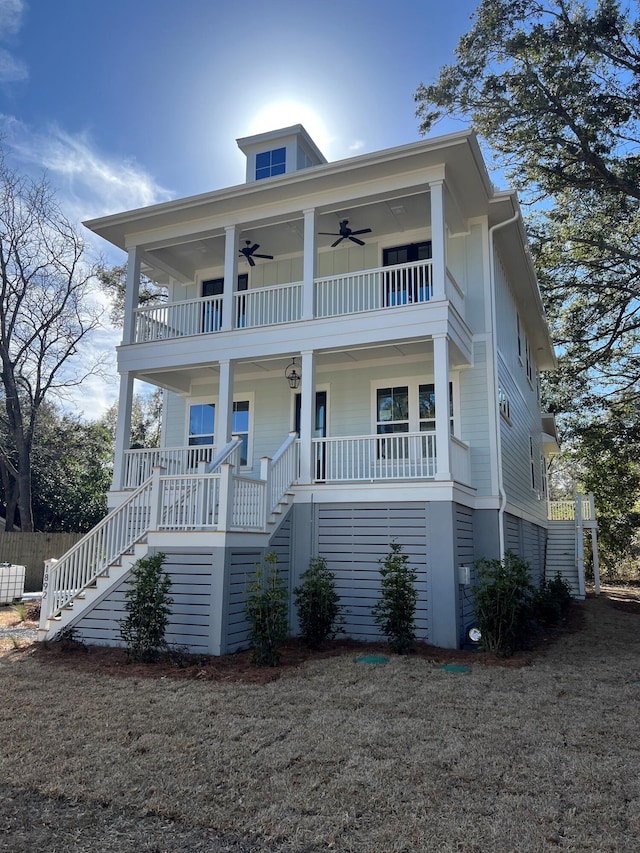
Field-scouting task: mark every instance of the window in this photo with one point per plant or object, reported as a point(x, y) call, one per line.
point(202, 425)
point(406, 285)
point(532, 463)
point(269, 163)
point(528, 361)
point(519, 333)
point(392, 413)
point(427, 407)
point(543, 472)
point(505, 405)
point(201, 421)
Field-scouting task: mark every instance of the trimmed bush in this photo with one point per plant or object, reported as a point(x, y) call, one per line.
point(148, 605)
point(318, 604)
point(503, 603)
point(552, 601)
point(395, 612)
point(266, 610)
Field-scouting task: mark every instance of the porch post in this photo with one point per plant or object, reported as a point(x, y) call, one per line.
point(123, 430)
point(438, 239)
point(230, 275)
point(131, 295)
point(307, 415)
point(224, 410)
point(309, 263)
point(441, 382)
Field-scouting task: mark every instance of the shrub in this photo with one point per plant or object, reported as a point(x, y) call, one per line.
point(396, 610)
point(503, 600)
point(552, 600)
point(317, 603)
point(266, 611)
point(148, 606)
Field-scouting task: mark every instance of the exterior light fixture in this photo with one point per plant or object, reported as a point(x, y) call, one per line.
point(292, 375)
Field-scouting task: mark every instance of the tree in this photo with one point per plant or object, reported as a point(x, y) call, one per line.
point(113, 282)
point(553, 86)
point(146, 419)
point(46, 314)
point(71, 471)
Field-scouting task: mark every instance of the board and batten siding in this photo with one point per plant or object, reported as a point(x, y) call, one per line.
point(190, 573)
point(528, 541)
point(353, 539)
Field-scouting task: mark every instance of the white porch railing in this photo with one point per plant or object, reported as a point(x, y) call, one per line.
point(351, 293)
point(566, 510)
point(268, 306)
point(281, 471)
point(401, 456)
point(177, 319)
point(369, 290)
point(138, 464)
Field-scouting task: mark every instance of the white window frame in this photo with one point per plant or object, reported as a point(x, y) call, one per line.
point(413, 385)
point(248, 396)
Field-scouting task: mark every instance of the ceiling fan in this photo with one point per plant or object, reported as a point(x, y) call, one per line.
point(346, 234)
point(249, 252)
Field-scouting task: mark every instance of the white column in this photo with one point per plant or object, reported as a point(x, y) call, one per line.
point(307, 415)
point(123, 429)
point(224, 409)
point(131, 295)
point(230, 275)
point(441, 382)
point(309, 264)
point(438, 239)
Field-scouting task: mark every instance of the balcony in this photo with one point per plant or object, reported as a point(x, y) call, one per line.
point(378, 289)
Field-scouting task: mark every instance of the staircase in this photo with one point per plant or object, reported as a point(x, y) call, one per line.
point(568, 521)
point(213, 500)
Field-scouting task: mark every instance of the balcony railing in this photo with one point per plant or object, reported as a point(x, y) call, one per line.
point(352, 293)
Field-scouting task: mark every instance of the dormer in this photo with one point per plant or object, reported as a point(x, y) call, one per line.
point(279, 152)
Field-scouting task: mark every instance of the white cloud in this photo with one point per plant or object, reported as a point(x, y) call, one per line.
point(357, 145)
point(12, 70)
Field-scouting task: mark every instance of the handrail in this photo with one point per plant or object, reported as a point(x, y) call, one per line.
point(98, 549)
point(226, 454)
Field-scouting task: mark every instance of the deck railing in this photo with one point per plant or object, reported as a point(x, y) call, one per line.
point(351, 293)
point(139, 463)
point(401, 456)
point(566, 510)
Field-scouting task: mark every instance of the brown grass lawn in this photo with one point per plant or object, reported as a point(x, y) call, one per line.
point(334, 755)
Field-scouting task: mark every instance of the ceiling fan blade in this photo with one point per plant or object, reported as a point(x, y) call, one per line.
point(269, 257)
point(339, 240)
point(362, 231)
point(328, 233)
point(254, 247)
point(252, 263)
point(355, 240)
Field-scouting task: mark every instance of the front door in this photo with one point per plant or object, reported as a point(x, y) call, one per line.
point(406, 285)
point(212, 311)
point(320, 427)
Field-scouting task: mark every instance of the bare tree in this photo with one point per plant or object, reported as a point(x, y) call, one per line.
point(46, 313)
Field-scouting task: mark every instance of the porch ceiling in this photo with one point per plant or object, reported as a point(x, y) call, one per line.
point(386, 215)
point(400, 354)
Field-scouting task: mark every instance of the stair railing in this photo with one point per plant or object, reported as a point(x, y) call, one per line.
point(94, 553)
point(280, 471)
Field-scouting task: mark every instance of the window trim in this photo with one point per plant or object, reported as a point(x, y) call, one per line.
point(247, 396)
point(413, 385)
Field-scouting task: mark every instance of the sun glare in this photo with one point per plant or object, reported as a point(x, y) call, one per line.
point(286, 113)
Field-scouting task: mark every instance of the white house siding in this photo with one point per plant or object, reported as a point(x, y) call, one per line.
point(190, 573)
point(353, 538)
point(524, 409)
point(465, 262)
point(474, 414)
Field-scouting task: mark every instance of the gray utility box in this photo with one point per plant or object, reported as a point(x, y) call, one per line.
point(11, 583)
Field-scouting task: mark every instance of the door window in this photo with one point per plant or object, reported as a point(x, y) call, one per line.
point(406, 285)
point(212, 310)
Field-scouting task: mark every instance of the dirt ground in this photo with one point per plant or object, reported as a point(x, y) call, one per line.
point(325, 753)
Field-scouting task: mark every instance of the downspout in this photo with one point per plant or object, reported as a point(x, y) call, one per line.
point(493, 362)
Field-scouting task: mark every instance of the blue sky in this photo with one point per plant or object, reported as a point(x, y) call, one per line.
point(130, 102)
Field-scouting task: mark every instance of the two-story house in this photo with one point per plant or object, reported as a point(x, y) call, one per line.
point(349, 353)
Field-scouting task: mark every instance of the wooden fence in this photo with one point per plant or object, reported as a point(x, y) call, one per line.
point(31, 550)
